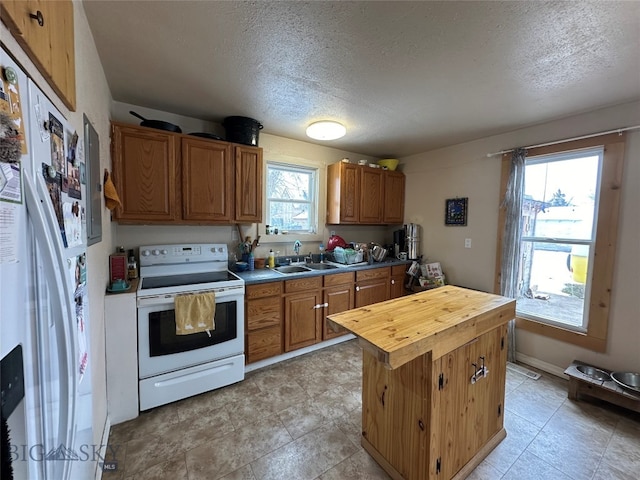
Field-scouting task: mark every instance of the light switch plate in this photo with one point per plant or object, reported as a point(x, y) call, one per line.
point(467, 243)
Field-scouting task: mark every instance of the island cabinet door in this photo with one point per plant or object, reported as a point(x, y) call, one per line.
point(469, 411)
point(395, 414)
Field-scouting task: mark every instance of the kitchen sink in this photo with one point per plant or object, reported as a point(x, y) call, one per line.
point(320, 266)
point(291, 269)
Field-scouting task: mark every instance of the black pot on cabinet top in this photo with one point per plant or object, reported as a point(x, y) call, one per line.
point(243, 130)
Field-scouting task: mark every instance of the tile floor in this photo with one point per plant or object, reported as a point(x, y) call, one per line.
point(300, 420)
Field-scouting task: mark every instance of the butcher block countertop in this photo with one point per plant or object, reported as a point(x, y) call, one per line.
point(438, 321)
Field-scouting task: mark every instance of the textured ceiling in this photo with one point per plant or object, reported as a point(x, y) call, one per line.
point(404, 77)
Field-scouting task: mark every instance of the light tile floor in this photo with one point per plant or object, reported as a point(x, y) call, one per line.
point(301, 419)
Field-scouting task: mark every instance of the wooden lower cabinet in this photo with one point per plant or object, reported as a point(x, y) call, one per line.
point(426, 419)
point(337, 297)
point(263, 321)
point(396, 286)
point(372, 286)
point(303, 309)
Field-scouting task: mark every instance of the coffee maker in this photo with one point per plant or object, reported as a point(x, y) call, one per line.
point(399, 244)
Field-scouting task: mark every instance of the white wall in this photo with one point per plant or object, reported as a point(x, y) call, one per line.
point(93, 98)
point(275, 148)
point(465, 171)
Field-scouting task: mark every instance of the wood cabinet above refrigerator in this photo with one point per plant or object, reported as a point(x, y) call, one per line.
point(45, 30)
point(362, 195)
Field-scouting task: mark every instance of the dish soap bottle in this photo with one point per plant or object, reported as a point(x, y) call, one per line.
point(272, 259)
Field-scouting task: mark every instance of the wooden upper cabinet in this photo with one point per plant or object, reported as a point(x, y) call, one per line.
point(164, 177)
point(371, 195)
point(393, 197)
point(358, 194)
point(207, 180)
point(51, 45)
point(248, 165)
point(144, 173)
point(343, 193)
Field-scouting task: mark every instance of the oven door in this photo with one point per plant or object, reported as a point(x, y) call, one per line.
point(160, 350)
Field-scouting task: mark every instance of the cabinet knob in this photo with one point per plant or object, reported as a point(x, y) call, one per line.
point(39, 17)
point(357, 289)
point(393, 282)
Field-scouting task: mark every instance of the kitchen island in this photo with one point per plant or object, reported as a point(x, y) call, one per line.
point(434, 368)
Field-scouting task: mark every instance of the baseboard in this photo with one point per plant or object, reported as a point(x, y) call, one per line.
point(296, 353)
point(103, 446)
point(544, 366)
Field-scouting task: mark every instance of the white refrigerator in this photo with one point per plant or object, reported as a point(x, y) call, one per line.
point(44, 324)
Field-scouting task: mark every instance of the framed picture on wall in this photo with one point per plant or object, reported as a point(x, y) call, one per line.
point(455, 213)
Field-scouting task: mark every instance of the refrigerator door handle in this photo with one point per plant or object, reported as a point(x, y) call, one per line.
point(47, 232)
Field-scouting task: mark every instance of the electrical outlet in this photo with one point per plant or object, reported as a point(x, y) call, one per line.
point(332, 233)
point(467, 243)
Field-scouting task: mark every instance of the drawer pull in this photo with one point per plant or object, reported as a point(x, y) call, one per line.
point(39, 17)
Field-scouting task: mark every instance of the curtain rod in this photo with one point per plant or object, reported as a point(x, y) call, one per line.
point(617, 130)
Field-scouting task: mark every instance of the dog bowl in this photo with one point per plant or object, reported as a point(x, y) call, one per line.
point(627, 380)
point(594, 373)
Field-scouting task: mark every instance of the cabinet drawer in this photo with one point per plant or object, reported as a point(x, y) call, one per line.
point(399, 269)
point(338, 279)
point(263, 290)
point(373, 274)
point(264, 312)
point(263, 344)
point(302, 284)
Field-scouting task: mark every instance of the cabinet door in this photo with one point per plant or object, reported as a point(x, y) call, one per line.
point(397, 281)
point(393, 197)
point(302, 320)
point(50, 46)
point(207, 181)
point(371, 195)
point(248, 165)
point(144, 172)
point(263, 343)
point(469, 413)
point(338, 299)
point(372, 286)
point(343, 193)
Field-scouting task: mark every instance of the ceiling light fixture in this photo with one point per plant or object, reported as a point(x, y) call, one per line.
point(326, 130)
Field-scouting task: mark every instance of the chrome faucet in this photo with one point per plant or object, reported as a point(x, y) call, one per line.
point(296, 247)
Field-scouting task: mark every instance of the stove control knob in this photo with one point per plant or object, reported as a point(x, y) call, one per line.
point(146, 253)
point(156, 252)
point(220, 249)
point(164, 252)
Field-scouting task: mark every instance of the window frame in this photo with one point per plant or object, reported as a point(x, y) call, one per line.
point(608, 209)
point(314, 203)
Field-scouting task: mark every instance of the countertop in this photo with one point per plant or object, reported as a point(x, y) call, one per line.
point(264, 275)
point(437, 321)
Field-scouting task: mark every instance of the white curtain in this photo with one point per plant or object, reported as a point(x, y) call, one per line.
point(511, 239)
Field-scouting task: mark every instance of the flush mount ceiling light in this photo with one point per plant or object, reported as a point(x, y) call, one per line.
point(326, 130)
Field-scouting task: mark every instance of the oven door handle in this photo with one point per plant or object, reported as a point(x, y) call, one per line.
point(224, 295)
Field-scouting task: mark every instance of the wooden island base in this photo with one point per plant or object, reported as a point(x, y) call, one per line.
point(433, 380)
point(461, 475)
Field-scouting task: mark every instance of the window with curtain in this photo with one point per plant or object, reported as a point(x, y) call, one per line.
point(558, 235)
point(291, 198)
point(568, 227)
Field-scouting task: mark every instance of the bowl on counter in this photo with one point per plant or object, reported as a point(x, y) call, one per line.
point(242, 266)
